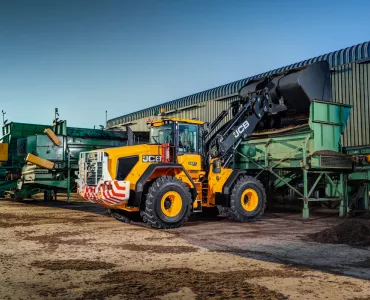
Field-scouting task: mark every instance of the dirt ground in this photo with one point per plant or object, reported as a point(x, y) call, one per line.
point(56, 250)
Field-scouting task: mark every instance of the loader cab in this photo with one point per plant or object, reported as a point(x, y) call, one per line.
point(184, 138)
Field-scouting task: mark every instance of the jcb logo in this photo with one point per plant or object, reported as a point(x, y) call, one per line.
point(239, 131)
point(152, 158)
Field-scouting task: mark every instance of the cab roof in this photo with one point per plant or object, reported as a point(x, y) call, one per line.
point(188, 121)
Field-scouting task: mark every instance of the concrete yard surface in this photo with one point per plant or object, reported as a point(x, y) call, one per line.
point(56, 250)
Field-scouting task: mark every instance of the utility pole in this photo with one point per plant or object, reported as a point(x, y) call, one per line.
point(56, 115)
point(106, 118)
point(3, 112)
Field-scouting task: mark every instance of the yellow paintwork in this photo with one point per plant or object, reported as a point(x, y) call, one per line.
point(53, 137)
point(193, 165)
point(191, 162)
point(122, 206)
point(115, 153)
point(38, 161)
point(216, 182)
point(188, 121)
point(252, 201)
point(366, 157)
point(4, 151)
point(175, 204)
point(207, 183)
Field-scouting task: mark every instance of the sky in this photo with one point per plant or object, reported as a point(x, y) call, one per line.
point(86, 57)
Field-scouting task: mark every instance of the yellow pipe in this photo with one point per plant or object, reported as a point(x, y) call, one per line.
point(38, 161)
point(53, 137)
point(4, 151)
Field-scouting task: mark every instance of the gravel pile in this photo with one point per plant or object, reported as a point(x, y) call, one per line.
point(351, 232)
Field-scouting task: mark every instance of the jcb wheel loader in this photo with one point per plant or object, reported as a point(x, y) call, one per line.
point(188, 164)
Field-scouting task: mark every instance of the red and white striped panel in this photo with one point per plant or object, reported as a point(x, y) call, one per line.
point(111, 192)
point(115, 192)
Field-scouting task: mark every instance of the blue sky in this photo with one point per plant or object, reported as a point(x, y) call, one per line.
point(85, 57)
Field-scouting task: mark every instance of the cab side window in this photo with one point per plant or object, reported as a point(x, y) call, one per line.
point(188, 138)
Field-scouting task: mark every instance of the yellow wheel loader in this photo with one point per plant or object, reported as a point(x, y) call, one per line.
point(188, 164)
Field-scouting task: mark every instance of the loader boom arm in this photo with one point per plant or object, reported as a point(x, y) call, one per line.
point(267, 97)
point(248, 114)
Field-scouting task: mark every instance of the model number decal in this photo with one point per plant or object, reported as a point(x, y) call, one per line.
point(192, 163)
point(152, 158)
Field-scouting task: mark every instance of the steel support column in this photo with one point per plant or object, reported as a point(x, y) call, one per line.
point(305, 211)
point(367, 196)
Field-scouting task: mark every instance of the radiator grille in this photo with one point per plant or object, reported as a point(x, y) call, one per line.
point(93, 167)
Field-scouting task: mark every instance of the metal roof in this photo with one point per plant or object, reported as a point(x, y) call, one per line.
point(357, 53)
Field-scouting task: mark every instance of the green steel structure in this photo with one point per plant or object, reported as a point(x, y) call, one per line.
point(359, 180)
point(307, 162)
point(21, 179)
point(65, 157)
point(10, 169)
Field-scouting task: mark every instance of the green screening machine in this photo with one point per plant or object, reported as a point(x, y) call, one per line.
point(302, 157)
point(40, 158)
point(302, 161)
point(10, 162)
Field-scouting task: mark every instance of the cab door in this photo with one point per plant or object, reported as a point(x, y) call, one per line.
point(189, 147)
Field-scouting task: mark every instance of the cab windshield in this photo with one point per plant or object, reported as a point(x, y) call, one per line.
point(161, 134)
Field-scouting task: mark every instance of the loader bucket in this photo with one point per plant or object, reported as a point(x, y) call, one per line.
point(296, 87)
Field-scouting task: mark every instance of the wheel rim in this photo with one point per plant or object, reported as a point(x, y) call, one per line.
point(249, 200)
point(171, 204)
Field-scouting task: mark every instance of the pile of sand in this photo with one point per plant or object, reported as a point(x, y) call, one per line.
point(351, 232)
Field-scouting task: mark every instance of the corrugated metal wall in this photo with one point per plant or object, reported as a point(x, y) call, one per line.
point(351, 85)
point(338, 58)
point(350, 79)
point(206, 111)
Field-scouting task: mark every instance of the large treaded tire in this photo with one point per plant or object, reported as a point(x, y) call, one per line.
point(237, 212)
point(125, 216)
point(153, 214)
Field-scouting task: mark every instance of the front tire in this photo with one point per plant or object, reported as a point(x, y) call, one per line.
point(248, 200)
point(168, 203)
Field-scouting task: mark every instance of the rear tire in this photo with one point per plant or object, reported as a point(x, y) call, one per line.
point(125, 216)
point(248, 200)
point(168, 203)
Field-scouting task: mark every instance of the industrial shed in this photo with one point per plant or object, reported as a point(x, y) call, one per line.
point(350, 81)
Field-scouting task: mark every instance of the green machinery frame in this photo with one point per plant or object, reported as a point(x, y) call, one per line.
point(305, 159)
point(359, 180)
point(20, 179)
point(11, 168)
point(64, 156)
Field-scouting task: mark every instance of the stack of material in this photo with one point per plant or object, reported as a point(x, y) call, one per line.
point(352, 232)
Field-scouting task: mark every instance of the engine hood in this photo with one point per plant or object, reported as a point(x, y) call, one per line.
point(115, 153)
